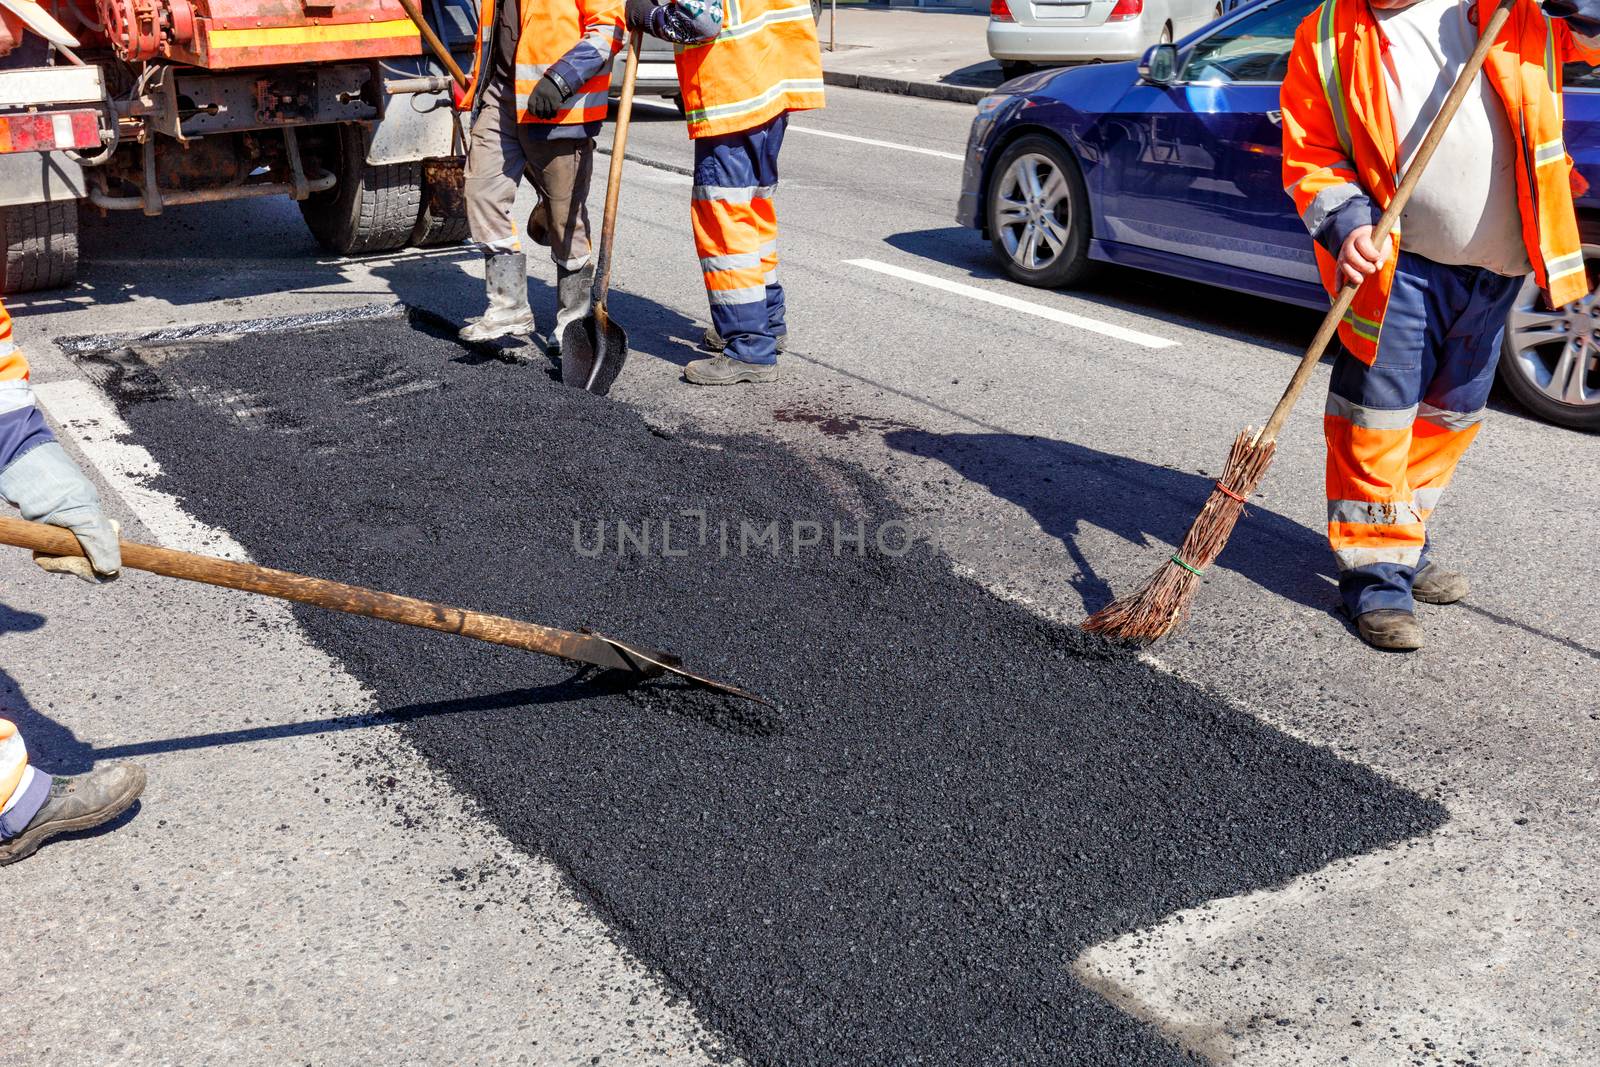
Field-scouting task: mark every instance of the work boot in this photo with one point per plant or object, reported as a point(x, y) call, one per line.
point(505, 277)
point(1435, 585)
point(77, 804)
point(725, 370)
point(574, 296)
point(1390, 629)
point(714, 341)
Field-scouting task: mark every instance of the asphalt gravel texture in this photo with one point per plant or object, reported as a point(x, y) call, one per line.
point(895, 864)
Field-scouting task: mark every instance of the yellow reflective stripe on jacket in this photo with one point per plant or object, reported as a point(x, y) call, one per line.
point(1328, 67)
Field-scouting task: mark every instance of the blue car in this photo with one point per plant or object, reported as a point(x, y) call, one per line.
point(1173, 165)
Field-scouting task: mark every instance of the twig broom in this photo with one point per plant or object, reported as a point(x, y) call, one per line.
point(1162, 604)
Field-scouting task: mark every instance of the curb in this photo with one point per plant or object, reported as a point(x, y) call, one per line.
point(960, 94)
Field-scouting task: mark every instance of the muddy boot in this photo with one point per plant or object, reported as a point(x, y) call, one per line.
point(77, 804)
point(505, 277)
point(724, 370)
point(713, 341)
point(1390, 629)
point(1435, 585)
point(574, 297)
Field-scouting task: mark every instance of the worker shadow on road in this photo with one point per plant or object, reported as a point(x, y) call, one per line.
point(51, 745)
point(1064, 486)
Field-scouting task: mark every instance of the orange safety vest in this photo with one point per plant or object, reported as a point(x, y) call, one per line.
point(1339, 140)
point(550, 28)
point(766, 61)
point(14, 389)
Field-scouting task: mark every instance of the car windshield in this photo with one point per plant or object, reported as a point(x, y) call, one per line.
point(1253, 49)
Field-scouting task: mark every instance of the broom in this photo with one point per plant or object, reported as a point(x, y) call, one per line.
point(1162, 604)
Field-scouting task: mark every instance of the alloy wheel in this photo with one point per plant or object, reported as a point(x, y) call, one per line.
point(1033, 213)
point(1557, 352)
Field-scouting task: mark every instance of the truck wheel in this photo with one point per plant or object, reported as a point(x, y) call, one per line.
point(375, 206)
point(41, 246)
point(439, 230)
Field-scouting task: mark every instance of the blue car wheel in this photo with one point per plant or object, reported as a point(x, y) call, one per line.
point(1038, 214)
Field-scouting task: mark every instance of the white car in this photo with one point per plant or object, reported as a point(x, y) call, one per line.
point(1024, 34)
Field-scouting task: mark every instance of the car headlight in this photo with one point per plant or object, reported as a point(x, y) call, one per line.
point(990, 104)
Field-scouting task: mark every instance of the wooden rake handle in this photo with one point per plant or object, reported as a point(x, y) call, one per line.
point(619, 148)
point(334, 596)
point(1386, 223)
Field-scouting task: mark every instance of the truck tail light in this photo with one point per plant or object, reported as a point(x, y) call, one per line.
point(1125, 10)
point(999, 11)
point(49, 132)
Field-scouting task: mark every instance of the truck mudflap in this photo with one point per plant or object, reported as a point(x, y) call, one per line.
point(44, 113)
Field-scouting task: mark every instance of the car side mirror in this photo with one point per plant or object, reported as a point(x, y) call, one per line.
point(1159, 65)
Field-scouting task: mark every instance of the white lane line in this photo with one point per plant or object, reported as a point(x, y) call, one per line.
point(1066, 318)
point(80, 408)
point(958, 157)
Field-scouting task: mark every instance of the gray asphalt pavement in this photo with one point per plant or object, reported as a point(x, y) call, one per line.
point(1065, 444)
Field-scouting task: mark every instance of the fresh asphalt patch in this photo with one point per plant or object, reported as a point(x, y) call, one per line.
point(898, 862)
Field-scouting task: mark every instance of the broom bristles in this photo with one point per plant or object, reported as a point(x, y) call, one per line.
point(1162, 603)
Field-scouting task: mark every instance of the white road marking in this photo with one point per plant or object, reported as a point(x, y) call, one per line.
point(1066, 318)
point(957, 156)
point(104, 438)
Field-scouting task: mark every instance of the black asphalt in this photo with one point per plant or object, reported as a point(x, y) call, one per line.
point(898, 865)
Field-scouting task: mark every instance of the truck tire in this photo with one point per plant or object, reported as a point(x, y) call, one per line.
point(439, 230)
point(375, 206)
point(41, 246)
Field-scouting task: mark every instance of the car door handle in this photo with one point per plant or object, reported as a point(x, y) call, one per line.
point(1275, 117)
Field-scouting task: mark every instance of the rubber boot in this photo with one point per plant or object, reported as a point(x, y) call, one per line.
point(714, 342)
point(77, 804)
point(574, 296)
point(1390, 629)
point(1435, 585)
point(505, 277)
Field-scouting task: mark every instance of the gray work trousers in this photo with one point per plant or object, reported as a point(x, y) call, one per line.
point(500, 151)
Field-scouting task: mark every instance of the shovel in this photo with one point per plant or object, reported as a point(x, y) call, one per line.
point(587, 647)
point(594, 347)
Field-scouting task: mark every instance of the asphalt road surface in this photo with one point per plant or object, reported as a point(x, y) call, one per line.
point(604, 878)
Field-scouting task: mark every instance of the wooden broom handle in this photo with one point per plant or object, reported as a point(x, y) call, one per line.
point(436, 46)
point(319, 592)
point(619, 148)
point(1391, 215)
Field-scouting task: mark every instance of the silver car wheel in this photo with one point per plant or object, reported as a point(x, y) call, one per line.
point(1033, 211)
point(1557, 352)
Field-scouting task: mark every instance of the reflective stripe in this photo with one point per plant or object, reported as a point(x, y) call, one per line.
point(1563, 266)
point(1375, 513)
point(771, 277)
point(1549, 152)
point(764, 192)
point(729, 194)
point(1551, 71)
point(1328, 67)
point(1327, 201)
point(1350, 559)
point(577, 263)
point(1425, 499)
point(531, 72)
point(769, 248)
point(502, 244)
point(1370, 418)
point(1363, 327)
point(753, 295)
point(7, 347)
point(736, 261)
point(1449, 420)
point(735, 29)
point(15, 395)
point(756, 103)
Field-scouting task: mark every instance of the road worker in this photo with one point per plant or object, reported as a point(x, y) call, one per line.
point(1420, 343)
point(538, 94)
point(40, 479)
point(742, 69)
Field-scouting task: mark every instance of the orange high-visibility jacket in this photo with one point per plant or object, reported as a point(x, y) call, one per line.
point(553, 30)
point(1339, 143)
point(764, 62)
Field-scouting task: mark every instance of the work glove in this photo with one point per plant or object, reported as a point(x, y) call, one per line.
point(639, 15)
point(1583, 16)
point(46, 486)
point(548, 96)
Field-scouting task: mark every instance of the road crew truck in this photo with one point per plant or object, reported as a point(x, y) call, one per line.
point(173, 102)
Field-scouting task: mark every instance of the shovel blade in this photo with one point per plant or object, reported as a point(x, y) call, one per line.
point(592, 358)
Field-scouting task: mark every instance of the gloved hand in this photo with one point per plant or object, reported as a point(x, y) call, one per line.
point(548, 97)
point(639, 14)
point(48, 487)
point(1583, 16)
